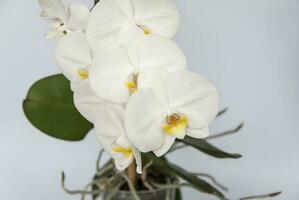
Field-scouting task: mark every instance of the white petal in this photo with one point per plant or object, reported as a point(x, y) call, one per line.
point(106, 143)
point(73, 53)
point(143, 120)
point(138, 160)
point(168, 142)
point(128, 33)
point(113, 89)
point(95, 109)
point(199, 112)
point(79, 14)
point(192, 95)
point(123, 140)
point(198, 133)
point(160, 16)
point(151, 78)
point(86, 101)
point(123, 163)
point(109, 73)
point(106, 20)
point(109, 121)
point(53, 10)
point(160, 52)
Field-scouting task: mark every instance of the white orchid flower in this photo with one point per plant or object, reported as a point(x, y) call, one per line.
point(110, 131)
point(73, 56)
point(88, 103)
point(108, 119)
point(119, 70)
point(110, 19)
point(185, 105)
point(64, 20)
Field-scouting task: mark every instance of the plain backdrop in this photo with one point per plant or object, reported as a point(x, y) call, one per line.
point(247, 48)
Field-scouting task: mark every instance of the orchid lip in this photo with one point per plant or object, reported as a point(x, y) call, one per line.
point(132, 83)
point(175, 124)
point(127, 152)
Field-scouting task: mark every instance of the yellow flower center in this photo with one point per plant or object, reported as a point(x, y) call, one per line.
point(146, 30)
point(127, 152)
point(83, 73)
point(132, 84)
point(175, 124)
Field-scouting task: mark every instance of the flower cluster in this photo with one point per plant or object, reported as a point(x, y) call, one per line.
point(129, 77)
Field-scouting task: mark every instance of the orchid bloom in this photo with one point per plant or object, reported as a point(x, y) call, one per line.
point(119, 70)
point(64, 20)
point(111, 19)
point(108, 120)
point(73, 56)
point(110, 131)
point(184, 105)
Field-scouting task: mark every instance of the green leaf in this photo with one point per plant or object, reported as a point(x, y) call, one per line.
point(198, 183)
point(263, 196)
point(171, 169)
point(207, 148)
point(178, 194)
point(49, 107)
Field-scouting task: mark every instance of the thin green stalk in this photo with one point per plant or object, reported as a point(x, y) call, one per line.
point(98, 163)
point(105, 169)
point(144, 176)
point(75, 192)
point(171, 186)
point(94, 182)
point(113, 192)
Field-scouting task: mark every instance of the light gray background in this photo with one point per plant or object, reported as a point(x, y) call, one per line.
point(248, 48)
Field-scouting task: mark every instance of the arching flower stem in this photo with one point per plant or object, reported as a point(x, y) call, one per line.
point(131, 173)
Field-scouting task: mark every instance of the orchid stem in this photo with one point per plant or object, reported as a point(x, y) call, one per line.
point(131, 172)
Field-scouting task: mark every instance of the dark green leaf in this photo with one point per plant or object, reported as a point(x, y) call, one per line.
point(171, 169)
point(178, 195)
point(49, 107)
point(221, 112)
point(207, 148)
point(198, 183)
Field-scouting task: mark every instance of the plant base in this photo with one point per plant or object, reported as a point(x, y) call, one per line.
point(158, 194)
